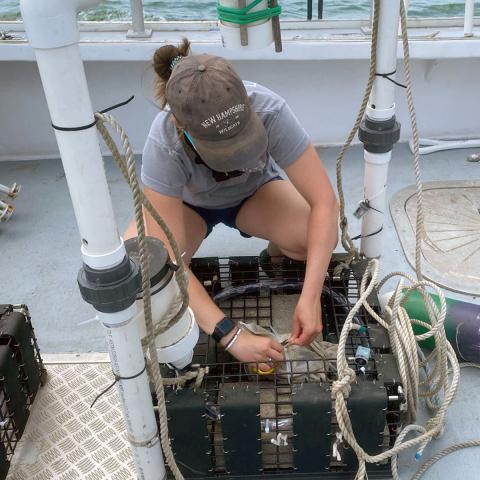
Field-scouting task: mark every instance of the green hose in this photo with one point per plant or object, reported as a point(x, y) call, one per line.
point(243, 16)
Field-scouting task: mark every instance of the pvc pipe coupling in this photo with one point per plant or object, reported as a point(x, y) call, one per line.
point(175, 345)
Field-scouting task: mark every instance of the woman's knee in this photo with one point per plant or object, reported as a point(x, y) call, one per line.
point(295, 244)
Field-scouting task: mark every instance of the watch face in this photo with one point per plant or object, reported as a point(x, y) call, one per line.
point(223, 327)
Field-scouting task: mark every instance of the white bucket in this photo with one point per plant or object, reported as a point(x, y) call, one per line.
point(260, 33)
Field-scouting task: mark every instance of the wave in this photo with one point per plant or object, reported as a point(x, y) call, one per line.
point(158, 10)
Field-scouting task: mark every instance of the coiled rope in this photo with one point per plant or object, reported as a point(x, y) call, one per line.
point(395, 318)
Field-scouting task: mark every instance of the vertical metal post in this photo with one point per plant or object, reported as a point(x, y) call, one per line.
point(320, 9)
point(243, 28)
point(138, 22)
point(309, 9)
point(277, 33)
point(468, 21)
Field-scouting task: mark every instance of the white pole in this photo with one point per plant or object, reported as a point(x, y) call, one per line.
point(380, 113)
point(53, 33)
point(134, 394)
point(138, 21)
point(468, 22)
point(66, 91)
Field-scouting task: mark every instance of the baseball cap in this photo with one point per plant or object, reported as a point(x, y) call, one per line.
point(209, 100)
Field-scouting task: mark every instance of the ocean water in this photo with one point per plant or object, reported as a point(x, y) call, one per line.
point(205, 9)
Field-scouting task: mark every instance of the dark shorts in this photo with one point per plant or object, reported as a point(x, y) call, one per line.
point(227, 216)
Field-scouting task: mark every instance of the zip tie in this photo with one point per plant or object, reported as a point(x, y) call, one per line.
point(117, 378)
point(281, 440)
point(369, 235)
point(86, 322)
point(335, 451)
point(387, 77)
point(90, 125)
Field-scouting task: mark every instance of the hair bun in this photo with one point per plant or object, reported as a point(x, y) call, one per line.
point(162, 64)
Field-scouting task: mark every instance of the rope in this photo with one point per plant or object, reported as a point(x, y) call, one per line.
point(347, 242)
point(127, 168)
point(444, 453)
point(419, 227)
point(396, 320)
point(181, 380)
point(171, 318)
point(243, 16)
point(404, 344)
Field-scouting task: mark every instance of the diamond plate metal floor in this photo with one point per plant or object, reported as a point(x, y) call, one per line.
point(65, 439)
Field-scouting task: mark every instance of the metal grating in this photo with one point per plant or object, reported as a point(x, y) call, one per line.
point(67, 440)
point(246, 291)
point(21, 374)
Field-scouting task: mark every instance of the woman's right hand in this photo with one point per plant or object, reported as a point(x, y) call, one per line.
point(255, 348)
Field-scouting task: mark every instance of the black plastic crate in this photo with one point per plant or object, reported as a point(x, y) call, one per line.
point(21, 374)
point(236, 413)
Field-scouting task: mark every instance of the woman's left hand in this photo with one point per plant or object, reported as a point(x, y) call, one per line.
point(307, 321)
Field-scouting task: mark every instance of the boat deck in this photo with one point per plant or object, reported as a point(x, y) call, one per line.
point(40, 258)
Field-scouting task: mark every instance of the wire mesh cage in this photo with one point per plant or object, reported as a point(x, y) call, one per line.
point(245, 423)
point(21, 374)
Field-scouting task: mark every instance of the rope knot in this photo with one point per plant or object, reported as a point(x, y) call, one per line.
point(342, 385)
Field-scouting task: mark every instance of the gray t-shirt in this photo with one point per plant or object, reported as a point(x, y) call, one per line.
point(167, 169)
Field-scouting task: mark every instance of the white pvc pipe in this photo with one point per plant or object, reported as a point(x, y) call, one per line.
point(376, 171)
point(127, 361)
point(53, 33)
point(468, 22)
point(381, 106)
point(68, 99)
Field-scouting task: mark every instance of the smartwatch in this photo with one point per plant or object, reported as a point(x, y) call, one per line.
point(223, 328)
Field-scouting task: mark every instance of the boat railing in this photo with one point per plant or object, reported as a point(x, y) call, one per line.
point(139, 30)
point(138, 27)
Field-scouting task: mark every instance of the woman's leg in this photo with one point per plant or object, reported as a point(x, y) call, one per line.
point(207, 313)
point(193, 224)
point(277, 212)
point(189, 229)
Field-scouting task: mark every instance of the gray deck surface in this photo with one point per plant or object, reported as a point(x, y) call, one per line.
point(40, 258)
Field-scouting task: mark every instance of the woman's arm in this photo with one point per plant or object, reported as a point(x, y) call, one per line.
point(310, 178)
